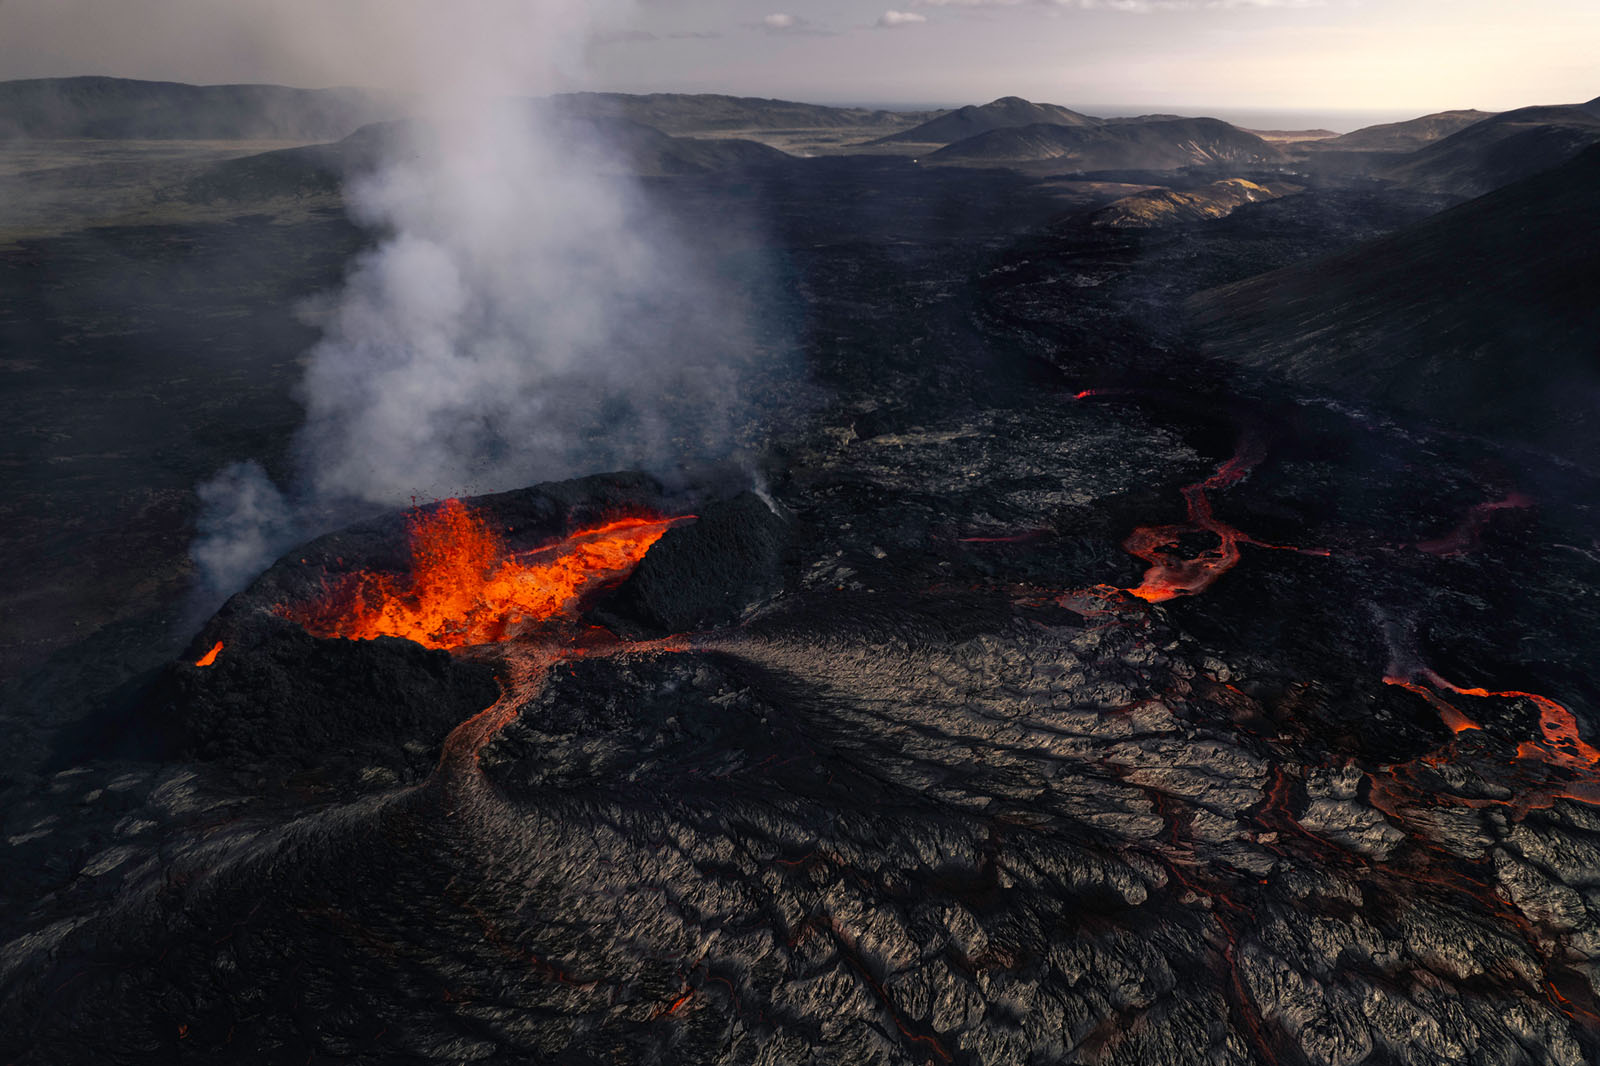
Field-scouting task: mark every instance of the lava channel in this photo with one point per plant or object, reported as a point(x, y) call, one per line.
point(1170, 575)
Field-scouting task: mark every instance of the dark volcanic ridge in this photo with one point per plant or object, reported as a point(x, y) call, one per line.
point(1405, 136)
point(698, 112)
point(1498, 150)
point(602, 145)
point(1157, 145)
point(126, 109)
point(1483, 317)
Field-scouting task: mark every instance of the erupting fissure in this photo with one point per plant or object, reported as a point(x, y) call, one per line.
point(464, 588)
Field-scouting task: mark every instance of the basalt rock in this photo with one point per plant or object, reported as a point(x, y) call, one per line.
point(706, 573)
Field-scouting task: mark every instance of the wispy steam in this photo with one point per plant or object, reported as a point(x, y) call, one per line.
point(526, 316)
point(244, 521)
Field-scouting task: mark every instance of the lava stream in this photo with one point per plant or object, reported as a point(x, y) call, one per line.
point(1563, 745)
point(1171, 576)
point(464, 588)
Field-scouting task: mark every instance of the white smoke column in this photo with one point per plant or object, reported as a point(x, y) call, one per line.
point(524, 316)
point(486, 334)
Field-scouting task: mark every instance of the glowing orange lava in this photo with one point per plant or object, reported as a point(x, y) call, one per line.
point(465, 589)
point(1452, 717)
point(1171, 576)
point(1562, 745)
point(211, 656)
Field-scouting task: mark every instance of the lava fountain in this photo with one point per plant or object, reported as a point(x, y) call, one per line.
point(465, 588)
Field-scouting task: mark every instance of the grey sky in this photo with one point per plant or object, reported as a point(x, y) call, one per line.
point(1402, 55)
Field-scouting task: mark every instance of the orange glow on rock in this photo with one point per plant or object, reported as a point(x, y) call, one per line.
point(1563, 745)
point(464, 588)
point(1451, 715)
point(211, 656)
point(1171, 575)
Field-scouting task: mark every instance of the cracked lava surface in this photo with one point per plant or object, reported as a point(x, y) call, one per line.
point(925, 805)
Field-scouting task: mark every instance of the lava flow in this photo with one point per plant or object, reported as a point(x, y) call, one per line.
point(1562, 744)
point(464, 588)
point(1170, 576)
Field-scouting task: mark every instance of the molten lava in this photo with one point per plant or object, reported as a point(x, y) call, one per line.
point(464, 588)
point(1171, 576)
point(1562, 745)
point(211, 656)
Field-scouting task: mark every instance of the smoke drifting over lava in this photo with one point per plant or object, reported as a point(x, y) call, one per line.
point(525, 314)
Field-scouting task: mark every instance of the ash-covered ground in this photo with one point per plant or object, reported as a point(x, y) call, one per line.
point(896, 768)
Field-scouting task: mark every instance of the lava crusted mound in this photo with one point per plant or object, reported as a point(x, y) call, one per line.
point(706, 573)
point(288, 701)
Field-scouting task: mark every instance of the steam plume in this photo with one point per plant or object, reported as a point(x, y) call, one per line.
point(526, 316)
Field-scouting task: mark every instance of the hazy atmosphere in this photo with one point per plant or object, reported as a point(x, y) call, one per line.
point(1262, 55)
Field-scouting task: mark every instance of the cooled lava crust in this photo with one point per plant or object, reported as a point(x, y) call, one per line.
point(910, 767)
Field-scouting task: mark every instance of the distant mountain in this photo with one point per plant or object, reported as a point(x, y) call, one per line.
point(601, 144)
point(1165, 144)
point(1592, 107)
point(123, 109)
point(1483, 316)
point(1406, 136)
point(646, 151)
point(1165, 207)
point(1008, 112)
point(697, 113)
point(1497, 151)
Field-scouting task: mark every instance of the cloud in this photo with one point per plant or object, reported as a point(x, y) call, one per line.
point(892, 19)
point(791, 24)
